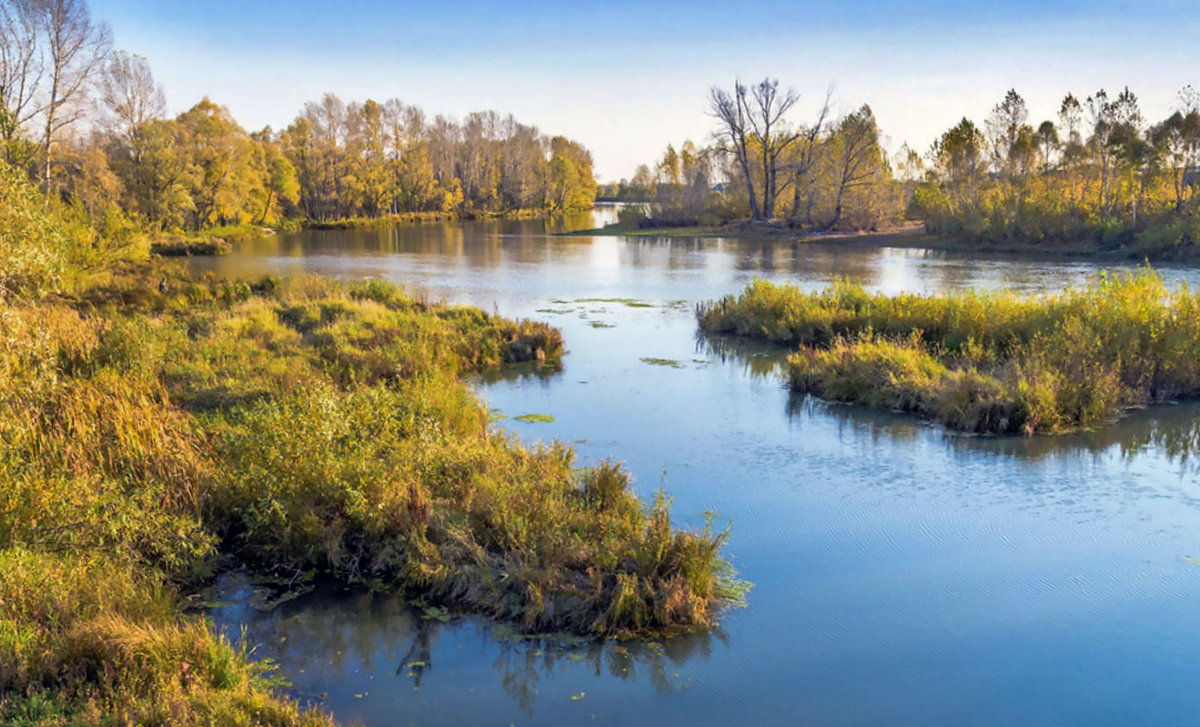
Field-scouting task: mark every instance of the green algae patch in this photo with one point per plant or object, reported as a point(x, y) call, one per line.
point(669, 362)
point(627, 302)
point(540, 418)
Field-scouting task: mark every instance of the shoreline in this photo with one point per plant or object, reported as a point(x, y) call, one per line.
point(909, 237)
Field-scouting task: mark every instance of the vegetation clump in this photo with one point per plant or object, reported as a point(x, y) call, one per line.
point(176, 246)
point(992, 362)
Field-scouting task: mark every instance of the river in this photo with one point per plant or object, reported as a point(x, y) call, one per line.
point(903, 575)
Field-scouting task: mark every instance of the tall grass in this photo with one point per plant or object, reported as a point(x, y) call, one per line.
point(993, 362)
point(302, 426)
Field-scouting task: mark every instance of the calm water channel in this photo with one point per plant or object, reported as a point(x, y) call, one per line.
point(903, 576)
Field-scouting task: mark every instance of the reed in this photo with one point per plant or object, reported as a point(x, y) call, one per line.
point(989, 362)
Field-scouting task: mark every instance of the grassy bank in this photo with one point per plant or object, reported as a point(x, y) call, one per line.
point(299, 427)
point(178, 246)
point(982, 362)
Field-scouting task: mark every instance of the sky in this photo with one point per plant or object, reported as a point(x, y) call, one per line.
point(627, 78)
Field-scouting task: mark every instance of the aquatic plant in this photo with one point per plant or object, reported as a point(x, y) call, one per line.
point(542, 418)
point(994, 362)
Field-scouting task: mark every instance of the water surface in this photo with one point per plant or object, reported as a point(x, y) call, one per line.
point(903, 575)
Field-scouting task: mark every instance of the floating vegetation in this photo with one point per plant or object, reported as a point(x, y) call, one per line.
point(556, 311)
point(434, 613)
point(663, 362)
point(542, 418)
point(601, 324)
point(627, 302)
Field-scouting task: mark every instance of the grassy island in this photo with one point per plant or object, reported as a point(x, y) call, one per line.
point(157, 429)
point(993, 362)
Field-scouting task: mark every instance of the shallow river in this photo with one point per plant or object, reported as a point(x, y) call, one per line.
point(903, 576)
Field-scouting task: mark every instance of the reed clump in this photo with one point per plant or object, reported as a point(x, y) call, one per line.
point(987, 362)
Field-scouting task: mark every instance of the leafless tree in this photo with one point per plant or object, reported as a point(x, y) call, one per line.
point(774, 136)
point(130, 94)
point(730, 110)
point(76, 48)
point(21, 67)
point(756, 115)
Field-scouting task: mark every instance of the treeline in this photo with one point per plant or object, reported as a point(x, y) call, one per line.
point(90, 126)
point(822, 174)
point(1100, 172)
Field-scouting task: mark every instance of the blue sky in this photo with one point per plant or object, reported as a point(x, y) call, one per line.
point(625, 78)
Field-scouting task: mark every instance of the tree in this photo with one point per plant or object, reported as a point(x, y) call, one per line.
point(570, 185)
point(21, 69)
point(130, 94)
point(733, 113)
point(1005, 125)
point(76, 48)
point(857, 156)
point(958, 154)
point(809, 143)
point(1047, 144)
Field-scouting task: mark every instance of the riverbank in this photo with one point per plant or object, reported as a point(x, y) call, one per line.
point(913, 236)
point(991, 363)
point(156, 436)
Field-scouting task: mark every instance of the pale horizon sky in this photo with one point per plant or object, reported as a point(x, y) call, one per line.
point(627, 78)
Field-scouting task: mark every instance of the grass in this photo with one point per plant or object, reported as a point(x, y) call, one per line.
point(297, 427)
point(993, 362)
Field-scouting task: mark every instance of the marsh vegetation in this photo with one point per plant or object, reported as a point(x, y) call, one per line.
point(988, 362)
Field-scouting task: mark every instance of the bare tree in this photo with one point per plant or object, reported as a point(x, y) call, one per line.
point(130, 94)
point(754, 116)
point(21, 67)
point(76, 48)
point(731, 111)
point(774, 137)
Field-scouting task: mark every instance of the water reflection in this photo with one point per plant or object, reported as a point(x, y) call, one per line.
point(337, 643)
point(1171, 431)
point(758, 359)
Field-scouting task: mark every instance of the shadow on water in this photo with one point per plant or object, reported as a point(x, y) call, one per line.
point(524, 371)
point(758, 359)
point(338, 646)
point(1170, 430)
